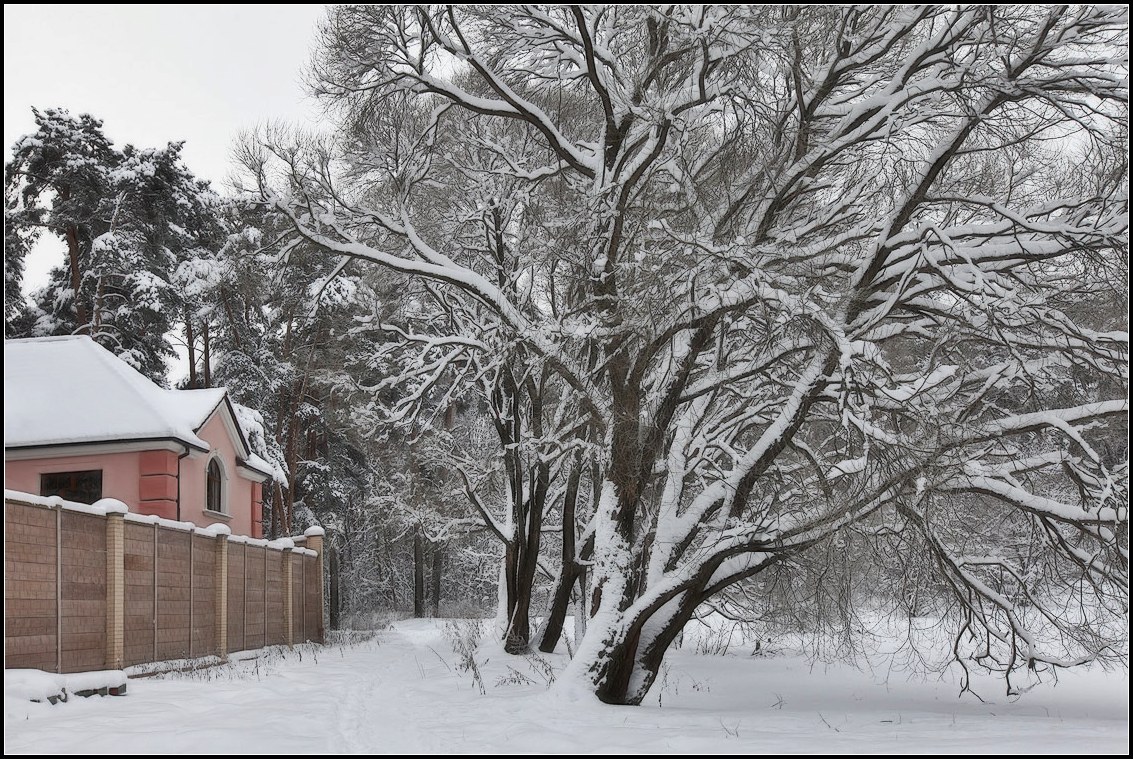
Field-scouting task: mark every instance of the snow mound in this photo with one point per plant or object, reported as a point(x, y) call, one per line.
point(37, 685)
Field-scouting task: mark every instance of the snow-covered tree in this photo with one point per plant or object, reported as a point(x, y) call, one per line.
point(16, 247)
point(265, 336)
point(792, 271)
point(127, 218)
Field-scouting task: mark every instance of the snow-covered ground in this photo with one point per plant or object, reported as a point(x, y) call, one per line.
point(406, 691)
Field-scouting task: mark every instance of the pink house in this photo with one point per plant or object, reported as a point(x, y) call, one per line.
point(82, 424)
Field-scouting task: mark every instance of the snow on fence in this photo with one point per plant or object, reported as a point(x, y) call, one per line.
point(82, 589)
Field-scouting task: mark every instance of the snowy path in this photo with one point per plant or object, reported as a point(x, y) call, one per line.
point(404, 694)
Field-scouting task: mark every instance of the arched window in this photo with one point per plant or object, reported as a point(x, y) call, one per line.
point(214, 493)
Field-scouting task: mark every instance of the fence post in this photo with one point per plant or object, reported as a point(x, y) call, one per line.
point(115, 582)
point(220, 593)
point(192, 529)
point(244, 595)
point(155, 625)
point(265, 622)
point(288, 591)
point(314, 541)
point(58, 586)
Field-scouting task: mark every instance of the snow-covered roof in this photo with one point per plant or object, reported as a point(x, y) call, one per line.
point(71, 390)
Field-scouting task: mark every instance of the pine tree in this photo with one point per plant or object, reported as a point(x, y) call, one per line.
point(127, 217)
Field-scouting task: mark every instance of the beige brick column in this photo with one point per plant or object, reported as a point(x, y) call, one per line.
point(115, 582)
point(220, 585)
point(314, 541)
point(288, 597)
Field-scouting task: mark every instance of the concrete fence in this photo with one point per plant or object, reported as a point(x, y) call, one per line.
point(96, 587)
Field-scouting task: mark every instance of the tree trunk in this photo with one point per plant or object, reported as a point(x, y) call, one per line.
point(624, 666)
point(276, 505)
point(581, 611)
point(573, 574)
point(189, 343)
point(291, 459)
point(518, 638)
point(206, 359)
point(81, 318)
point(560, 605)
point(569, 573)
point(606, 656)
point(438, 552)
point(518, 558)
point(96, 312)
point(418, 575)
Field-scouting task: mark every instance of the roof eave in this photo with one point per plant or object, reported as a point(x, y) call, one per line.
point(31, 447)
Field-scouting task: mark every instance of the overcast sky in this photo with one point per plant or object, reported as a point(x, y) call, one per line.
point(158, 73)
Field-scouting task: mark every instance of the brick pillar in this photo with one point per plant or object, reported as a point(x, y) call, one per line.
point(220, 585)
point(58, 506)
point(288, 596)
point(314, 541)
point(115, 582)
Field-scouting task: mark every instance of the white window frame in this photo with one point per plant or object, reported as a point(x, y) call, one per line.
point(223, 485)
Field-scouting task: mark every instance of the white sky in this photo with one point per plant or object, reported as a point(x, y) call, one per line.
point(156, 74)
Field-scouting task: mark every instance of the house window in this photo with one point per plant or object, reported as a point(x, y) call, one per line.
point(214, 498)
point(84, 487)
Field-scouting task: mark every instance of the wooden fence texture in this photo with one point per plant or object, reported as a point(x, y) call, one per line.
point(91, 587)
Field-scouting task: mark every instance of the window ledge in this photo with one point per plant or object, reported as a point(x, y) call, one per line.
point(218, 515)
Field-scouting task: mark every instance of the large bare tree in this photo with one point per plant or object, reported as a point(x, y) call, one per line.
point(784, 271)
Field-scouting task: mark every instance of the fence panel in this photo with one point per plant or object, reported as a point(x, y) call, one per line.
point(164, 589)
point(173, 594)
point(204, 596)
point(312, 598)
point(83, 591)
point(30, 604)
point(138, 565)
point(276, 630)
point(236, 597)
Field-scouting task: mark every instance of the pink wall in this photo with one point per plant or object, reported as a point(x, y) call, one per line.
point(120, 474)
point(194, 477)
point(147, 481)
